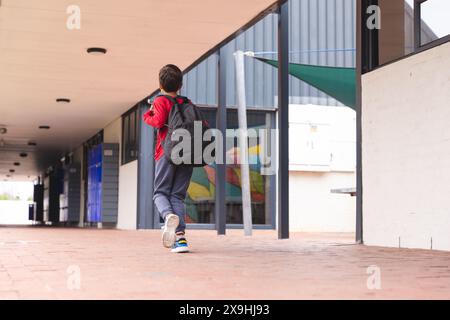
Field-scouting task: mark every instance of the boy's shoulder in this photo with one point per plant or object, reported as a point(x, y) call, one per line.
point(162, 101)
point(165, 100)
point(160, 98)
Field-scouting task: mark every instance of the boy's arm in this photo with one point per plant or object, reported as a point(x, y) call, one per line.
point(157, 115)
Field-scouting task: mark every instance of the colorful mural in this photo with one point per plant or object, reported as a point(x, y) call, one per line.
point(201, 191)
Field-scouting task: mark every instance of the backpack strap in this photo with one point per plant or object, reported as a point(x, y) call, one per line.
point(176, 104)
point(175, 99)
point(170, 98)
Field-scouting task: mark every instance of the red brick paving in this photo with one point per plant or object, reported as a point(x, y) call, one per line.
point(117, 264)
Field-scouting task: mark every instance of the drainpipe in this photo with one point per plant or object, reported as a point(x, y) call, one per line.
point(243, 143)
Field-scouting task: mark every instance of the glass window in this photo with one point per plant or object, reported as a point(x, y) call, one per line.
point(200, 201)
point(130, 133)
point(259, 184)
point(201, 193)
point(395, 36)
point(434, 20)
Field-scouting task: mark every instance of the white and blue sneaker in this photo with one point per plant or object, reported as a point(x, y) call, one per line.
point(180, 245)
point(169, 230)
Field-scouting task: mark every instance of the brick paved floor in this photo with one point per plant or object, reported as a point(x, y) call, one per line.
point(40, 262)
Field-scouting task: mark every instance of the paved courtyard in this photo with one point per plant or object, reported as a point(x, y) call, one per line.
point(57, 263)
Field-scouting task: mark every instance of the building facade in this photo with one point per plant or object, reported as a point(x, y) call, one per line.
point(321, 33)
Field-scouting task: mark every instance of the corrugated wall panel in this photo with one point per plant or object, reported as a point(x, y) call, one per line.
point(110, 181)
point(322, 32)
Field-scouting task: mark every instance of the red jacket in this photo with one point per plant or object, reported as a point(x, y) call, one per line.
point(157, 118)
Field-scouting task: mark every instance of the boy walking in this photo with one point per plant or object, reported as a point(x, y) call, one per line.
point(171, 182)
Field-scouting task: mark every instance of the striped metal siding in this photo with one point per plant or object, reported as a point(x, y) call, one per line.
point(110, 182)
point(319, 30)
point(72, 190)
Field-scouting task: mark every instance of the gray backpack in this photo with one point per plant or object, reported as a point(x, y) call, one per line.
point(184, 145)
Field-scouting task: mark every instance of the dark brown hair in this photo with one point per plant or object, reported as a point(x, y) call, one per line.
point(170, 78)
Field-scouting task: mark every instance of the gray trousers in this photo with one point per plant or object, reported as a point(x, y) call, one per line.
point(171, 184)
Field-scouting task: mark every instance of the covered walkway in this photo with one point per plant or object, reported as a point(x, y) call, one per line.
point(36, 263)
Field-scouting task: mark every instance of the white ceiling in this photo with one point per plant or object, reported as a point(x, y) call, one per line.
point(41, 60)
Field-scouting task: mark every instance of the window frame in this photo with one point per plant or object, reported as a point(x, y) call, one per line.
point(418, 47)
point(129, 144)
point(271, 214)
point(370, 41)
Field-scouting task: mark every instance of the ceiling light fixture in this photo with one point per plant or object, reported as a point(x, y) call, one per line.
point(12, 170)
point(44, 127)
point(17, 164)
point(32, 143)
point(96, 51)
point(23, 155)
point(3, 130)
point(63, 100)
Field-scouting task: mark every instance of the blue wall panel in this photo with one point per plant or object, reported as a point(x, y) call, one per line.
point(95, 184)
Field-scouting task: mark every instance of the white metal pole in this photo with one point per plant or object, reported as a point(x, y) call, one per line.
point(243, 143)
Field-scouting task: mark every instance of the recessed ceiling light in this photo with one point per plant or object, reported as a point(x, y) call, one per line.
point(23, 155)
point(12, 170)
point(3, 130)
point(8, 176)
point(17, 164)
point(63, 100)
point(96, 51)
point(32, 143)
point(44, 127)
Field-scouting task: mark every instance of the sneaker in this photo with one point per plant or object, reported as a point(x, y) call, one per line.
point(180, 246)
point(170, 226)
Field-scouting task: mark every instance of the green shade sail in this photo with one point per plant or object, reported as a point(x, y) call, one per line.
point(339, 83)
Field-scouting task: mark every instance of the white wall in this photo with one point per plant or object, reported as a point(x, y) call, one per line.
point(313, 208)
point(128, 180)
point(322, 157)
point(406, 152)
point(14, 212)
point(322, 138)
point(112, 133)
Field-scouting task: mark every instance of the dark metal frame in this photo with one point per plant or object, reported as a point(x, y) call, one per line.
point(283, 121)
point(431, 45)
point(418, 30)
point(123, 159)
point(417, 23)
point(417, 38)
point(369, 39)
point(361, 10)
point(221, 124)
